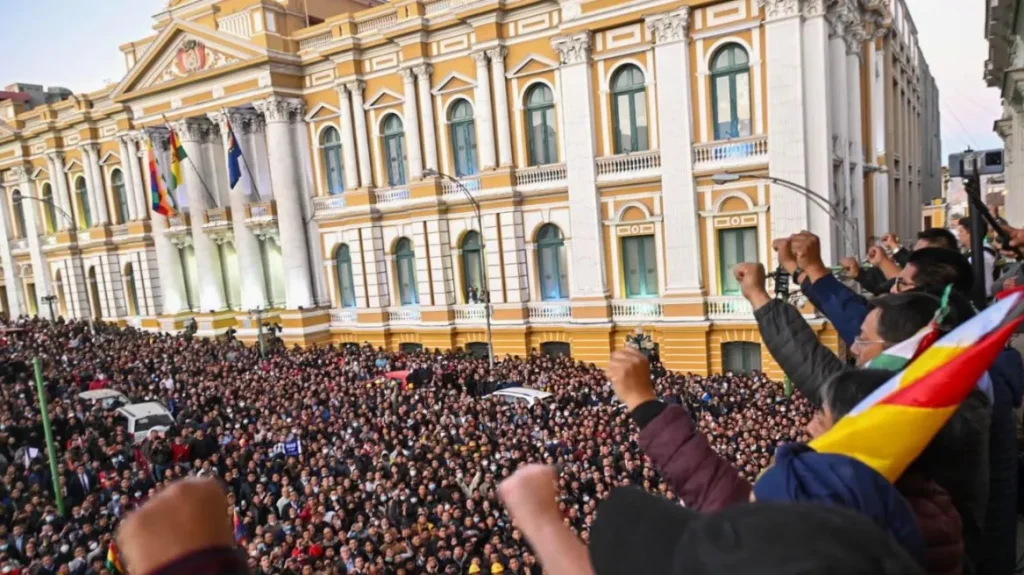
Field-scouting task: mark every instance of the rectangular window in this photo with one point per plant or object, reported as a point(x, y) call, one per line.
point(640, 266)
point(741, 357)
point(735, 246)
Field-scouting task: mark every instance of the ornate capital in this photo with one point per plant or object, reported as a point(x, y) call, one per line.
point(90, 149)
point(423, 71)
point(356, 87)
point(778, 9)
point(56, 157)
point(856, 35)
point(198, 130)
point(278, 109)
point(480, 58)
point(671, 27)
point(497, 54)
point(573, 49)
point(813, 8)
point(407, 75)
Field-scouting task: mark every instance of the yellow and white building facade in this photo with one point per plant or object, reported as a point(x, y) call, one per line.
point(586, 132)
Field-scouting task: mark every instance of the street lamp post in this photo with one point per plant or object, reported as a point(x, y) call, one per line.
point(51, 451)
point(49, 299)
point(486, 293)
point(821, 202)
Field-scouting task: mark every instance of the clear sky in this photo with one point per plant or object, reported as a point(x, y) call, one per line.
point(84, 36)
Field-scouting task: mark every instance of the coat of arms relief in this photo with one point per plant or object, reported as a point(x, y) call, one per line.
point(193, 56)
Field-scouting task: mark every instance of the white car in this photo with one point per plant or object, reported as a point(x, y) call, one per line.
point(146, 417)
point(108, 398)
point(525, 395)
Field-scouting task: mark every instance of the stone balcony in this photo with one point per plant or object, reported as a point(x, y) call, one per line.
point(730, 154)
point(631, 310)
point(537, 178)
point(217, 219)
point(728, 308)
point(261, 215)
point(628, 167)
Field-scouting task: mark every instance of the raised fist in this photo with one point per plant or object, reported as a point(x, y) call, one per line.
point(807, 250)
point(876, 255)
point(630, 374)
point(784, 251)
point(751, 277)
point(850, 267)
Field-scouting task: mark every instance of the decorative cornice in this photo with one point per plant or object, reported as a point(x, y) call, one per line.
point(671, 27)
point(573, 49)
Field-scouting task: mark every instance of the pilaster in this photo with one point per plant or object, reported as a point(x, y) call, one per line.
point(483, 115)
point(412, 124)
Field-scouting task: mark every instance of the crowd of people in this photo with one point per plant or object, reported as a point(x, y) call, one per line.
point(332, 467)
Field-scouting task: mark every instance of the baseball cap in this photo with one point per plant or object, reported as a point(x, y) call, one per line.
point(635, 532)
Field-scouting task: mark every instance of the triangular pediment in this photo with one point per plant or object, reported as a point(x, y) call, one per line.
point(40, 173)
point(532, 64)
point(454, 82)
point(110, 158)
point(185, 50)
point(322, 112)
point(73, 166)
point(6, 130)
point(383, 99)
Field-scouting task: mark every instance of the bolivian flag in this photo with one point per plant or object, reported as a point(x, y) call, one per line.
point(114, 558)
point(889, 429)
point(163, 203)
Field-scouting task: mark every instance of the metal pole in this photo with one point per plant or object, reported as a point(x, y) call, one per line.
point(977, 245)
point(259, 336)
point(51, 450)
point(486, 292)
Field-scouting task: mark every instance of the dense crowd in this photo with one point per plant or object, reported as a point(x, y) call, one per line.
point(331, 466)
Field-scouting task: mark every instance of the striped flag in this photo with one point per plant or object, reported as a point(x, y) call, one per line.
point(234, 157)
point(162, 202)
point(114, 558)
point(890, 428)
point(238, 527)
point(178, 154)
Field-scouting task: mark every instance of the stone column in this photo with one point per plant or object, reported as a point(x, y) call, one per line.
point(681, 226)
point(102, 213)
point(59, 183)
point(40, 267)
point(497, 56)
point(839, 18)
point(817, 123)
point(138, 188)
point(284, 174)
point(247, 245)
point(362, 136)
point(375, 263)
point(129, 169)
point(441, 271)
point(513, 244)
point(93, 183)
point(483, 115)
point(427, 114)
point(576, 99)
point(856, 37)
point(193, 134)
point(348, 144)
point(412, 124)
point(12, 281)
point(171, 280)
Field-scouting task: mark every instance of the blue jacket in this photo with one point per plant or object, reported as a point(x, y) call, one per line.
point(840, 304)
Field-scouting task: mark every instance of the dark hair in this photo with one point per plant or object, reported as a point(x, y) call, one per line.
point(965, 223)
point(938, 237)
point(935, 268)
point(904, 314)
point(849, 387)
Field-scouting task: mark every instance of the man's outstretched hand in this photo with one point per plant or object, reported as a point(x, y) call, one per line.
point(751, 277)
point(630, 374)
point(191, 515)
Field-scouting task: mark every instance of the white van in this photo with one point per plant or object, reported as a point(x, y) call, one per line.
point(526, 395)
point(146, 417)
point(108, 398)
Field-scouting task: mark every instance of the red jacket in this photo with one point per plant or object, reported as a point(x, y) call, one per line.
point(705, 481)
point(180, 453)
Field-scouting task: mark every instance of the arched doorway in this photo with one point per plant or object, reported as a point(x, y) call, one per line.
point(477, 349)
point(555, 348)
point(94, 294)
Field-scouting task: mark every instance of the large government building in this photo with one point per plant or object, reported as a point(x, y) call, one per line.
point(593, 166)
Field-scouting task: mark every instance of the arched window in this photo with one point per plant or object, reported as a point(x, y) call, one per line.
point(405, 260)
point(82, 199)
point(19, 219)
point(629, 110)
point(463, 138)
point(472, 268)
point(130, 291)
point(394, 150)
point(540, 125)
point(552, 265)
point(330, 141)
point(343, 269)
point(121, 194)
point(49, 212)
point(730, 92)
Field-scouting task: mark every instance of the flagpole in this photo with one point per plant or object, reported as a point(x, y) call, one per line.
point(252, 179)
point(199, 174)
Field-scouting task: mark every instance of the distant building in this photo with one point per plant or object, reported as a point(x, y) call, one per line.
point(1004, 69)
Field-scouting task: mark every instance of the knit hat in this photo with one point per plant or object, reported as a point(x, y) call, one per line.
point(474, 569)
point(497, 568)
point(802, 474)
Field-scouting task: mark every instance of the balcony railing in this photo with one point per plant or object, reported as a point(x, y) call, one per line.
point(261, 210)
point(540, 177)
point(392, 195)
point(729, 152)
point(239, 24)
point(471, 313)
point(541, 312)
point(178, 220)
point(315, 42)
point(326, 204)
point(379, 23)
point(634, 310)
point(627, 166)
point(216, 217)
point(450, 188)
point(729, 307)
point(404, 314)
point(345, 316)
point(119, 231)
